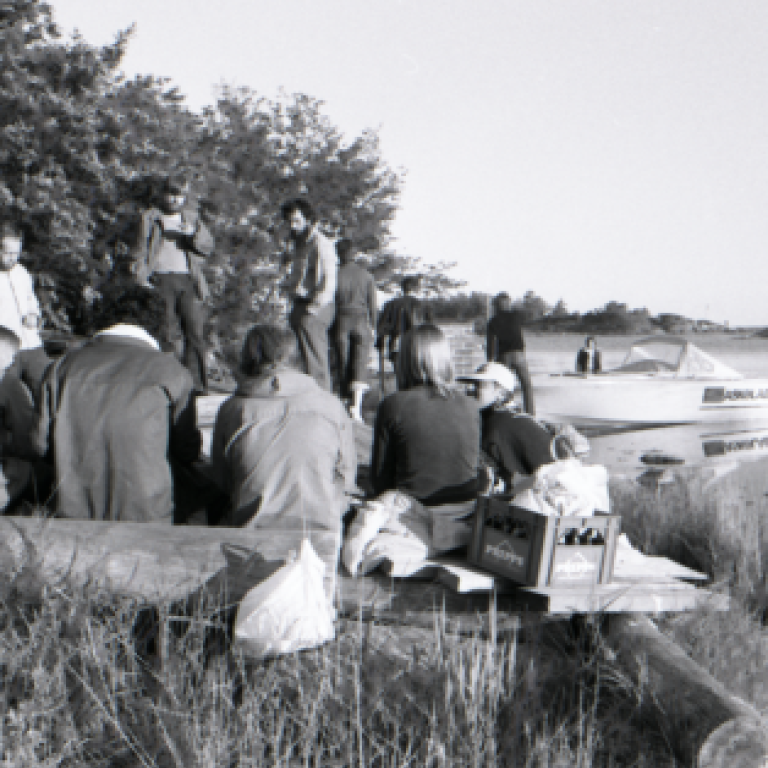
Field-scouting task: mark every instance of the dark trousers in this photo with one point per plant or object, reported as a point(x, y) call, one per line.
point(182, 307)
point(353, 346)
point(312, 334)
point(515, 361)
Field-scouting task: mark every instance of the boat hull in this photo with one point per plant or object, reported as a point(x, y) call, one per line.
point(648, 400)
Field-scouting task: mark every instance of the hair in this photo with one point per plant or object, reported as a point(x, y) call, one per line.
point(345, 250)
point(135, 305)
point(10, 228)
point(7, 336)
point(588, 339)
point(298, 204)
point(425, 359)
point(175, 184)
point(266, 346)
point(410, 283)
point(502, 302)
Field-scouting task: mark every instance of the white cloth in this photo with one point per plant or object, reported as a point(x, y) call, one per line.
point(567, 488)
point(17, 300)
point(132, 331)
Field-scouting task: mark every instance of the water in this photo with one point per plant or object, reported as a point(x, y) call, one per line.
point(720, 448)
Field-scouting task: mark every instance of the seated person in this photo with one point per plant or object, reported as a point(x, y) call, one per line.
point(114, 414)
point(514, 442)
point(17, 418)
point(588, 360)
point(283, 447)
point(426, 437)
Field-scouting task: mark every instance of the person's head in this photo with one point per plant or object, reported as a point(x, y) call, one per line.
point(267, 347)
point(10, 344)
point(410, 285)
point(589, 342)
point(134, 305)
point(346, 251)
point(175, 192)
point(299, 215)
point(10, 244)
point(424, 359)
point(502, 302)
point(492, 384)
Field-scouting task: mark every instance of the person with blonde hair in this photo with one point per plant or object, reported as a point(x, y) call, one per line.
point(426, 437)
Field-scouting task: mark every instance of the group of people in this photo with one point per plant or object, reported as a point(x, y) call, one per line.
point(108, 430)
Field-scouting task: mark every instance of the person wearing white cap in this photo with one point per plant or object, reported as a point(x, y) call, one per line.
point(514, 441)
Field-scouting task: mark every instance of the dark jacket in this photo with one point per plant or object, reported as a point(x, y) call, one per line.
point(356, 292)
point(583, 357)
point(112, 414)
point(516, 443)
point(427, 446)
point(398, 316)
point(197, 248)
point(505, 334)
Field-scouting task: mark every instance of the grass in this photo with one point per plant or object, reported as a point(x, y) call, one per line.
point(81, 683)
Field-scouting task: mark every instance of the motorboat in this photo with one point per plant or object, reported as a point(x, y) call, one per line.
point(664, 380)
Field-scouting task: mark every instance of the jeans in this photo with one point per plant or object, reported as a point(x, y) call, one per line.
point(516, 362)
point(183, 307)
point(353, 341)
point(312, 334)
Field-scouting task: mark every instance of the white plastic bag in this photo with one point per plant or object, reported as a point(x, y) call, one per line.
point(287, 612)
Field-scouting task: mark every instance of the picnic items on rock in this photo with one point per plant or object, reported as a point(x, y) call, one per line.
point(397, 529)
point(287, 612)
point(566, 488)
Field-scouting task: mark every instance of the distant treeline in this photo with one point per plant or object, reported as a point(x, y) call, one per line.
point(614, 317)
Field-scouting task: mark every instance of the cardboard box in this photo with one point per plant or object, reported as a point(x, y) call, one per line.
point(539, 550)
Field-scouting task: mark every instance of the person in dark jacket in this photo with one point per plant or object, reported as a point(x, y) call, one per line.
point(113, 416)
point(172, 245)
point(588, 359)
point(355, 320)
point(515, 443)
point(505, 344)
point(398, 316)
point(426, 437)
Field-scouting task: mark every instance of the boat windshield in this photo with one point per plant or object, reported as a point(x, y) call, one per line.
point(675, 356)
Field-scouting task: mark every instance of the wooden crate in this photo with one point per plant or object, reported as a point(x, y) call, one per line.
point(539, 550)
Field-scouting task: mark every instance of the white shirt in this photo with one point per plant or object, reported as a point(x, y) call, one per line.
point(17, 299)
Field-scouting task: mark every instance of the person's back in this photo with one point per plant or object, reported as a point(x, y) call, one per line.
point(427, 445)
point(283, 448)
point(505, 333)
point(109, 404)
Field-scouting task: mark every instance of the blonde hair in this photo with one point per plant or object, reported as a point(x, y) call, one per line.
point(425, 359)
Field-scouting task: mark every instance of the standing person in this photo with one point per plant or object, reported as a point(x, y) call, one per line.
point(114, 414)
point(398, 316)
point(313, 288)
point(505, 344)
point(172, 244)
point(355, 321)
point(588, 360)
point(20, 309)
point(283, 448)
point(426, 438)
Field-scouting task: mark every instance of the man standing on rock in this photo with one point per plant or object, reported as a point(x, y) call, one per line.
point(172, 244)
point(312, 288)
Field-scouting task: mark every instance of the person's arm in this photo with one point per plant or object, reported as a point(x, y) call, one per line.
point(372, 310)
point(580, 361)
point(219, 468)
point(185, 439)
point(202, 240)
point(491, 344)
point(348, 452)
point(31, 310)
point(383, 457)
point(39, 437)
point(598, 365)
point(324, 290)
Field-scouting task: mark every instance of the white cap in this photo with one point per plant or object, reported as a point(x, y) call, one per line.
point(493, 372)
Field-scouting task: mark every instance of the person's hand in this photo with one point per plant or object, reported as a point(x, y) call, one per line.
point(187, 228)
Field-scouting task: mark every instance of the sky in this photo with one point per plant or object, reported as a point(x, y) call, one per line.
point(586, 150)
